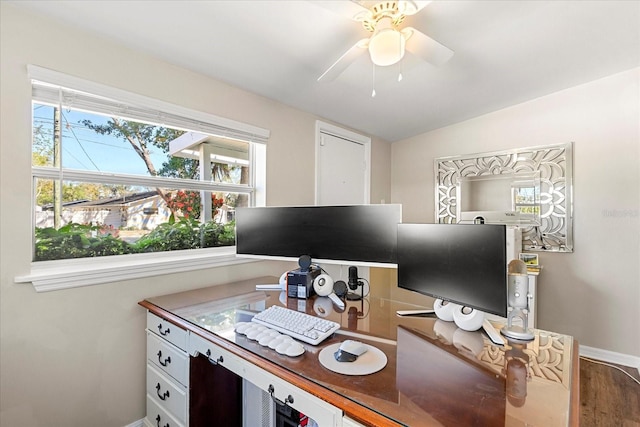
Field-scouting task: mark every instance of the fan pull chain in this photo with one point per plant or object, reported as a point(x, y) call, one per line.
point(373, 82)
point(400, 63)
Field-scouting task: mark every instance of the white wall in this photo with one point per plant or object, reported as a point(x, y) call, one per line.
point(77, 357)
point(593, 293)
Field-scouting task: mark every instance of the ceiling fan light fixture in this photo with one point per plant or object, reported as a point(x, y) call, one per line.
point(386, 47)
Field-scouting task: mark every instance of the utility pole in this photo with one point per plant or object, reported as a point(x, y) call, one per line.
point(57, 162)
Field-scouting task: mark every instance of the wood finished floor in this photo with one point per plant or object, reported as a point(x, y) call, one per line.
point(608, 397)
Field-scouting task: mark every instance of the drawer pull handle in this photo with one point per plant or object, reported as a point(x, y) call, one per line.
point(215, 362)
point(158, 422)
point(162, 396)
point(166, 331)
point(166, 361)
point(289, 399)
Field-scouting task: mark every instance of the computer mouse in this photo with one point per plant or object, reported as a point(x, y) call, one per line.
point(349, 351)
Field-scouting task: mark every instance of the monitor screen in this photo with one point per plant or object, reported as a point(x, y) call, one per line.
point(362, 234)
point(461, 263)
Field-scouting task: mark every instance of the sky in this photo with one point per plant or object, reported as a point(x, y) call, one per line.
point(84, 149)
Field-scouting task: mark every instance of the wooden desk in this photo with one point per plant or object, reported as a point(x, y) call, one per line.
point(436, 374)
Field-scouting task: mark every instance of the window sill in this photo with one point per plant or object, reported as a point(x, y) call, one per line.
point(73, 273)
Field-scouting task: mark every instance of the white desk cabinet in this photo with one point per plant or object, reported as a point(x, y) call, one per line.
point(168, 381)
point(167, 374)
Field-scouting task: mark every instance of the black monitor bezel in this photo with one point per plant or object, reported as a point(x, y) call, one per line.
point(413, 265)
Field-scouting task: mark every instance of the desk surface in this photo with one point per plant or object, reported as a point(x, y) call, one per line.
point(436, 374)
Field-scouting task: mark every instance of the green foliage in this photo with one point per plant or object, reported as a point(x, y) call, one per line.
point(140, 136)
point(180, 167)
point(169, 236)
point(212, 234)
point(188, 233)
point(76, 241)
point(83, 241)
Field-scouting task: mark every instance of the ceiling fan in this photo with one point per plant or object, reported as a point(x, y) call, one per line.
point(389, 40)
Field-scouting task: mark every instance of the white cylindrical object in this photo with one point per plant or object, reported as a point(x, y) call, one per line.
point(468, 318)
point(518, 289)
point(444, 310)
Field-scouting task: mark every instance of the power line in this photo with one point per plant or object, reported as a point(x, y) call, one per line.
point(74, 157)
point(44, 120)
point(79, 143)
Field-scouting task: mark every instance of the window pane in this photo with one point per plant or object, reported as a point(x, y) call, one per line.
point(94, 142)
point(229, 159)
point(119, 196)
point(100, 219)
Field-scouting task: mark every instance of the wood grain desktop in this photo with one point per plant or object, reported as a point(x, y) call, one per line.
point(536, 383)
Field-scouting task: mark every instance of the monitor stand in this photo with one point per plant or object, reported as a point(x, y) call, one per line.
point(352, 296)
point(493, 335)
point(414, 312)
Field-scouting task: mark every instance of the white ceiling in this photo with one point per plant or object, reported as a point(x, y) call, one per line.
point(506, 52)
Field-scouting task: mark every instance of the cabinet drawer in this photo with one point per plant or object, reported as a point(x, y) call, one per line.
point(157, 416)
point(320, 411)
point(199, 345)
point(167, 330)
point(348, 422)
point(166, 393)
point(168, 358)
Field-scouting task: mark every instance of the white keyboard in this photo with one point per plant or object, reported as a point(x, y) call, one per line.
point(301, 326)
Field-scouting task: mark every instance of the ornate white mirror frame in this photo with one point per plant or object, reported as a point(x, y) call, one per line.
point(555, 165)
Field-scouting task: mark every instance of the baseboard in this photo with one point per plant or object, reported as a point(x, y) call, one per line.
point(610, 357)
point(139, 423)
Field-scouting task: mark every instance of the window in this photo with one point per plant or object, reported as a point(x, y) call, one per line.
point(115, 173)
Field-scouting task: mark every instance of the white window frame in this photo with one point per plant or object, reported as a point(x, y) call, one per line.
point(71, 273)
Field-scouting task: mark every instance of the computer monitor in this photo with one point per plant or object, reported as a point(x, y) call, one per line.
point(357, 234)
point(461, 263)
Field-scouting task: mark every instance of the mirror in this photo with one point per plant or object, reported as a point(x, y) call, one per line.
point(499, 199)
point(528, 187)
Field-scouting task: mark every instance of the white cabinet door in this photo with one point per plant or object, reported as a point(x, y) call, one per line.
point(342, 166)
point(320, 411)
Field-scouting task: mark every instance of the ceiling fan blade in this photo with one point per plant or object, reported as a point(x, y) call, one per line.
point(344, 61)
point(411, 7)
point(425, 47)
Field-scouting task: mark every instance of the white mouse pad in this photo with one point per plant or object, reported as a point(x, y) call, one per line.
point(368, 363)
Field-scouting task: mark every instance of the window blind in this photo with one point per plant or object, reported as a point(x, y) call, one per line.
point(50, 86)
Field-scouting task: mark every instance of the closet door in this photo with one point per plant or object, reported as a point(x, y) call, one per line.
point(342, 168)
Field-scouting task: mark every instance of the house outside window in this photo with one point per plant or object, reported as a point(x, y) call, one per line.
point(114, 176)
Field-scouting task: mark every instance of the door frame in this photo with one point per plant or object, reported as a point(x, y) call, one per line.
point(327, 128)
